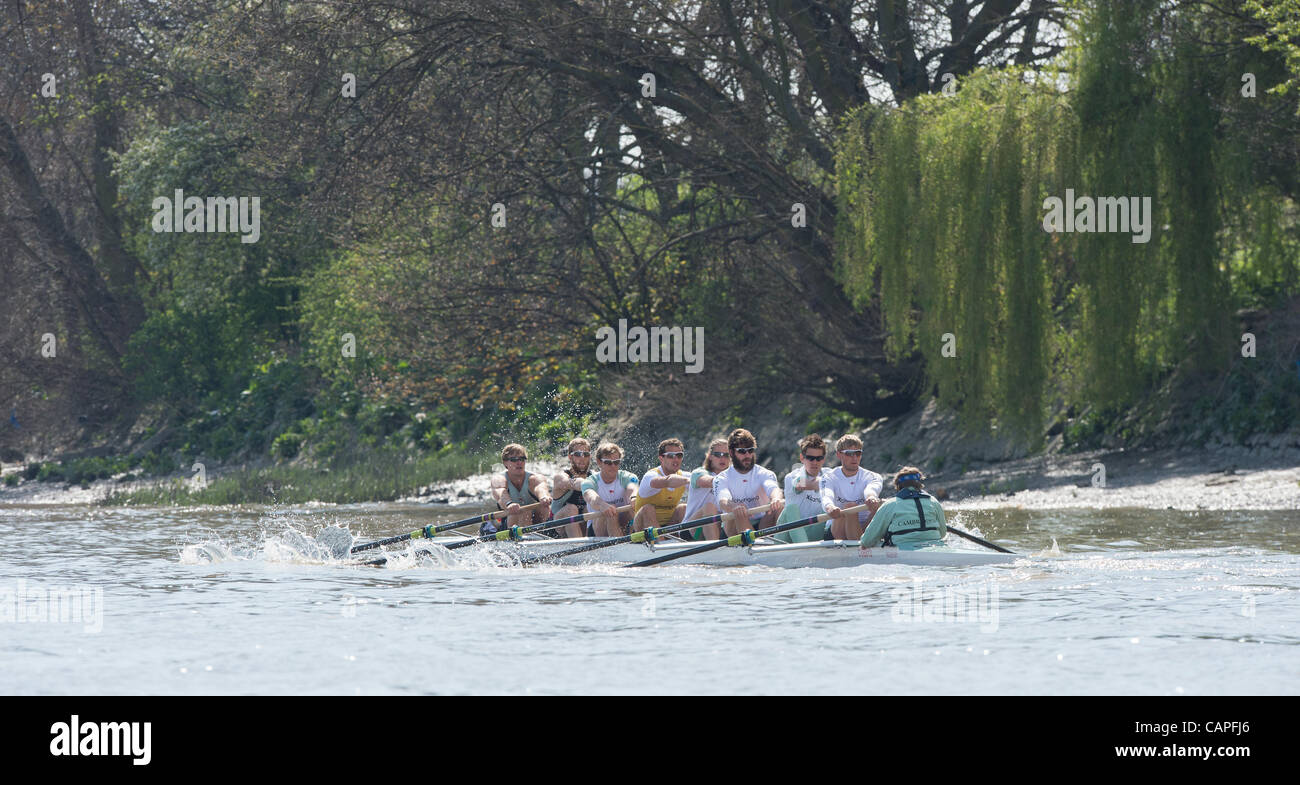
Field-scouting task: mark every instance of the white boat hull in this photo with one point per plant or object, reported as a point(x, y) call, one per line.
point(825, 554)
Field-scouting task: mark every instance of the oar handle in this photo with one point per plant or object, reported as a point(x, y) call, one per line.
point(744, 538)
point(646, 535)
point(516, 532)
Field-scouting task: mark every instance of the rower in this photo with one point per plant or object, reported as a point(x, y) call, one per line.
point(608, 490)
point(659, 499)
point(700, 501)
point(746, 485)
point(518, 488)
point(567, 487)
point(803, 491)
point(912, 519)
point(849, 485)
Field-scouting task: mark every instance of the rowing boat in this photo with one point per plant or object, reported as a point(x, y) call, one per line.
point(825, 554)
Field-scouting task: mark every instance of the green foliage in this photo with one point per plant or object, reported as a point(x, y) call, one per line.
point(286, 445)
point(1281, 19)
point(942, 208)
point(373, 475)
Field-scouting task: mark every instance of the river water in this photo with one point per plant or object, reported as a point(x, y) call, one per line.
point(97, 600)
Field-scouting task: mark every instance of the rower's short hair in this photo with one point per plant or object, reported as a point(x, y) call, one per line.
point(513, 449)
point(811, 441)
point(608, 448)
point(709, 452)
point(577, 442)
point(666, 443)
point(903, 472)
point(741, 438)
point(848, 440)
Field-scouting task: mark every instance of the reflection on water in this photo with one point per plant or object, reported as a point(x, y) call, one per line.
point(247, 600)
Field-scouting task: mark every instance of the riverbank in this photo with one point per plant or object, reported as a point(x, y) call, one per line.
point(1223, 478)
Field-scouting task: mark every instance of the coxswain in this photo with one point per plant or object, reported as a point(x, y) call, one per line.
point(912, 519)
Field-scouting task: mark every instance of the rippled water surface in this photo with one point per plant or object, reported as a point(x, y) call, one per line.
point(181, 601)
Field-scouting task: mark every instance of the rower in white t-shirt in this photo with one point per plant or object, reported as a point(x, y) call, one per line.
point(803, 491)
point(849, 485)
point(746, 485)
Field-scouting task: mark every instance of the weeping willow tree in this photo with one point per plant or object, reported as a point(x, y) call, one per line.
point(944, 218)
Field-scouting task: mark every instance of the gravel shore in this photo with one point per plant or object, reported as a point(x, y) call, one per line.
point(1226, 478)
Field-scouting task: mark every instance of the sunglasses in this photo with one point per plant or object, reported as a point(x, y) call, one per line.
point(814, 457)
point(515, 460)
point(745, 450)
point(611, 462)
point(720, 454)
point(852, 452)
point(581, 453)
point(672, 454)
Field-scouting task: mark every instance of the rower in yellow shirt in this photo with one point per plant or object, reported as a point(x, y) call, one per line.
point(659, 500)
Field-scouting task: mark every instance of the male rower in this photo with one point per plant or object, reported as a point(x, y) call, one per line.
point(659, 498)
point(803, 491)
point(518, 488)
point(567, 487)
point(700, 501)
point(912, 519)
point(849, 485)
point(746, 485)
point(609, 489)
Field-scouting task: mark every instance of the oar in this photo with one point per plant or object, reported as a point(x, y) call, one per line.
point(517, 532)
point(973, 538)
point(513, 533)
point(744, 538)
point(648, 535)
point(431, 530)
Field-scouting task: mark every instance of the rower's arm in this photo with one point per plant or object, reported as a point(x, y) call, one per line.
point(594, 502)
point(541, 490)
point(827, 494)
point(498, 484)
point(774, 492)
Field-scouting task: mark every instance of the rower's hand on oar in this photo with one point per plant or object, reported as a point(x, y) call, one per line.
point(835, 512)
point(512, 508)
point(777, 506)
point(738, 511)
point(611, 514)
point(873, 503)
